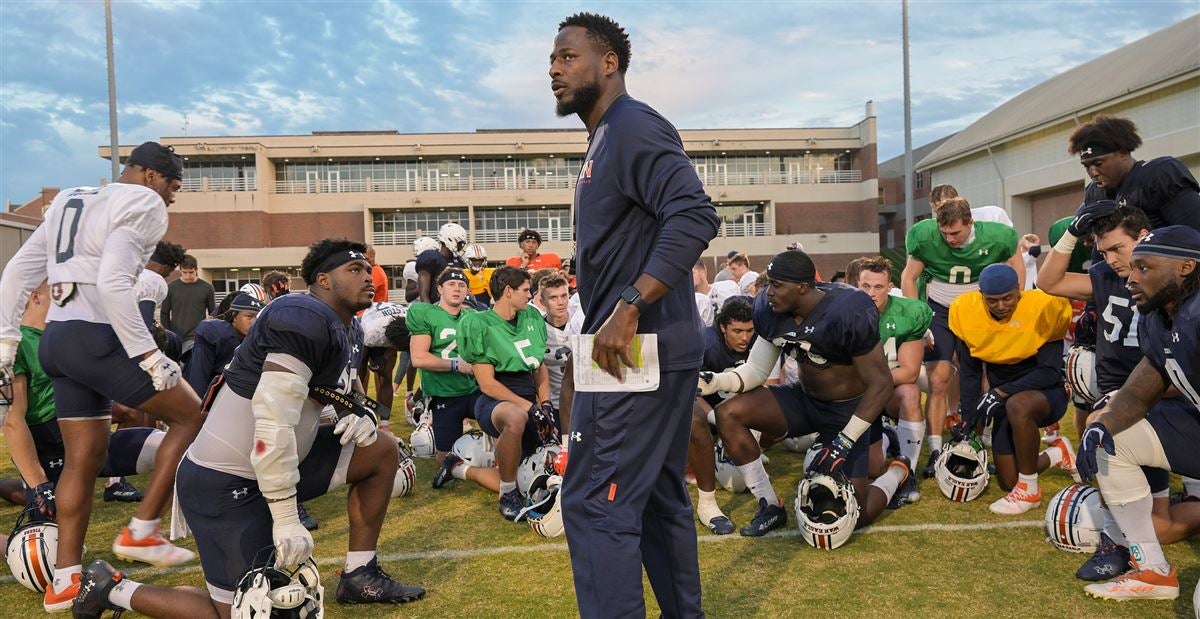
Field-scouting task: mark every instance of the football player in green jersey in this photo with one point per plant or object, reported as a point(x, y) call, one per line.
point(505, 346)
point(903, 325)
point(952, 250)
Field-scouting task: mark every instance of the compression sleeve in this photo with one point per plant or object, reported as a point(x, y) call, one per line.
point(21, 275)
point(276, 407)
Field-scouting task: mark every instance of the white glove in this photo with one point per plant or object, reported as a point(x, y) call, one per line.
point(293, 543)
point(8, 356)
point(711, 383)
point(357, 428)
point(163, 372)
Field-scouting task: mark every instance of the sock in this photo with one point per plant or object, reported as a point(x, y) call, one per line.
point(460, 471)
point(1055, 453)
point(141, 529)
point(758, 481)
point(358, 558)
point(706, 507)
point(910, 434)
point(62, 576)
point(1191, 486)
point(887, 442)
point(890, 480)
point(507, 486)
point(1134, 520)
point(1161, 494)
point(122, 593)
point(1112, 530)
point(113, 481)
point(935, 443)
point(1030, 481)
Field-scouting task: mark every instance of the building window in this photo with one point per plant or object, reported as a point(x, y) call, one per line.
point(228, 281)
point(502, 225)
point(219, 173)
point(404, 227)
point(742, 219)
point(919, 181)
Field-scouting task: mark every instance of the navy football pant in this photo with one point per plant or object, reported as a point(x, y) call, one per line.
point(625, 502)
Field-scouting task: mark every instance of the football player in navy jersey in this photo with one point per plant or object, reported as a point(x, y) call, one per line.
point(833, 332)
point(726, 345)
point(263, 448)
point(1163, 187)
point(1164, 282)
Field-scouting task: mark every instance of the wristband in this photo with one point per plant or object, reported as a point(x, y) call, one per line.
point(454, 365)
point(1066, 244)
point(855, 428)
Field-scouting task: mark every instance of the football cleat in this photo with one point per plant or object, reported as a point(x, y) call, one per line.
point(907, 492)
point(1137, 585)
point(929, 470)
point(97, 581)
point(369, 584)
point(766, 519)
point(1067, 463)
point(58, 601)
point(1018, 501)
point(1108, 562)
point(720, 525)
point(511, 505)
point(154, 550)
point(306, 519)
point(123, 492)
point(446, 472)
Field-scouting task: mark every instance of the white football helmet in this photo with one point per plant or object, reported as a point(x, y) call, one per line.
point(406, 472)
point(728, 475)
point(799, 444)
point(476, 257)
point(272, 592)
point(421, 439)
point(1081, 374)
point(826, 511)
point(961, 471)
point(424, 244)
point(537, 468)
point(256, 291)
point(1075, 519)
point(811, 454)
point(32, 549)
point(454, 237)
point(417, 407)
point(544, 512)
point(476, 448)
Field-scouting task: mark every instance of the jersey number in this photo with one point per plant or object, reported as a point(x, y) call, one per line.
point(521, 345)
point(890, 352)
point(1131, 338)
point(445, 335)
point(1179, 380)
point(963, 273)
point(73, 209)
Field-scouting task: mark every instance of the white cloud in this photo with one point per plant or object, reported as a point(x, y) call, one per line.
point(396, 23)
point(470, 7)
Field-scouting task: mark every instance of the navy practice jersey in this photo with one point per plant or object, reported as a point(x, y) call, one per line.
point(1164, 188)
point(1173, 347)
point(303, 327)
point(843, 325)
point(432, 261)
point(640, 208)
point(212, 348)
point(1117, 349)
point(720, 358)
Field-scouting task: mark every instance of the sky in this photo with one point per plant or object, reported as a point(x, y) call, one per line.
point(202, 68)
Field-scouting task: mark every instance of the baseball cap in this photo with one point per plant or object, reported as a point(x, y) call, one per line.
point(161, 159)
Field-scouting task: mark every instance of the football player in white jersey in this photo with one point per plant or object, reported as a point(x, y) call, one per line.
point(555, 294)
point(92, 246)
point(380, 354)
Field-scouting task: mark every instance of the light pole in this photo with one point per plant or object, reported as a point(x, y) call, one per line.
point(112, 91)
point(908, 158)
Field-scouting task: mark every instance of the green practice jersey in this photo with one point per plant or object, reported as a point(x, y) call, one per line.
point(488, 338)
point(40, 395)
point(443, 329)
point(1082, 254)
point(903, 320)
point(954, 271)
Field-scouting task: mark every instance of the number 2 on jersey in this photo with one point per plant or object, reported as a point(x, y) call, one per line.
point(73, 209)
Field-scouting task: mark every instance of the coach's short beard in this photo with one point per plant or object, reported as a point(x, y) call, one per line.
point(585, 99)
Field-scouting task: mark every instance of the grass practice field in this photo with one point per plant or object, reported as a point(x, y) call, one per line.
point(933, 559)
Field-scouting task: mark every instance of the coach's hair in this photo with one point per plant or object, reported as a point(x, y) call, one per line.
point(553, 280)
point(1110, 132)
point(188, 262)
point(740, 259)
point(604, 31)
point(322, 249)
point(1131, 219)
point(874, 264)
point(506, 277)
point(953, 210)
point(737, 308)
point(941, 193)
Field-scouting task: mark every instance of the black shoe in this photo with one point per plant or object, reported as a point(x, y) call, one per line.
point(511, 505)
point(445, 474)
point(306, 519)
point(991, 468)
point(720, 525)
point(1108, 562)
point(97, 581)
point(766, 519)
point(369, 584)
point(928, 472)
point(122, 491)
point(907, 492)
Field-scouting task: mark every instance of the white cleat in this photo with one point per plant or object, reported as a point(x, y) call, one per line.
point(1137, 585)
point(155, 550)
point(1016, 502)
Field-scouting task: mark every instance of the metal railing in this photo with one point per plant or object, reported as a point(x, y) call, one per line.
point(509, 235)
point(218, 184)
point(743, 229)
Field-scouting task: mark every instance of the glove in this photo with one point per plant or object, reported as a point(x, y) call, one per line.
point(1102, 402)
point(712, 382)
point(831, 458)
point(43, 500)
point(986, 409)
point(8, 356)
point(163, 372)
point(1096, 435)
point(961, 430)
point(1087, 214)
point(545, 421)
point(293, 543)
point(560, 462)
point(360, 428)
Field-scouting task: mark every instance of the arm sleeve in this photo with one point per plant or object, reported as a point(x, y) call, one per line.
point(146, 308)
point(199, 370)
point(1046, 374)
point(164, 311)
point(664, 181)
point(970, 377)
point(759, 364)
point(120, 263)
point(22, 274)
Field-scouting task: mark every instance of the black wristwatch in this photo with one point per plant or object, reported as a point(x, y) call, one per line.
point(631, 296)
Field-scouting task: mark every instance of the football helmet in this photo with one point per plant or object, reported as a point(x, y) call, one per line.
point(536, 468)
point(421, 439)
point(424, 244)
point(32, 549)
point(544, 512)
point(406, 472)
point(728, 474)
point(279, 593)
point(826, 510)
point(1080, 369)
point(256, 291)
point(799, 444)
point(454, 237)
point(1075, 519)
point(811, 454)
point(476, 449)
point(961, 470)
point(476, 257)
point(417, 407)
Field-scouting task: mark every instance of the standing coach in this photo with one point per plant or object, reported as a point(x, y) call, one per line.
point(642, 220)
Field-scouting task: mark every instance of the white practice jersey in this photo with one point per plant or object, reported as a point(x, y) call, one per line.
point(704, 305)
point(151, 287)
point(98, 240)
point(721, 291)
point(558, 350)
point(375, 320)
